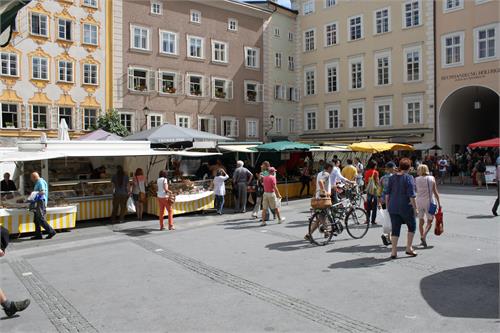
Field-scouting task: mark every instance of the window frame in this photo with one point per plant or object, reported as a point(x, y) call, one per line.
point(232, 20)
point(291, 129)
point(160, 6)
point(313, 30)
point(334, 64)
point(258, 94)
point(64, 116)
point(336, 34)
point(291, 61)
point(58, 37)
point(461, 35)
point(176, 82)
point(150, 77)
point(228, 88)
point(332, 107)
point(132, 120)
point(247, 122)
point(353, 60)
point(90, 74)
point(86, 117)
point(405, 63)
point(291, 36)
point(413, 99)
point(179, 117)
point(278, 59)
point(357, 105)
point(362, 27)
point(194, 11)
point(326, 5)
point(47, 25)
point(496, 27)
point(96, 34)
point(150, 118)
point(226, 51)
point(382, 102)
point(47, 116)
point(314, 87)
point(65, 71)
point(161, 33)
point(188, 47)
point(132, 38)
point(403, 18)
point(47, 64)
point(86, 4)
point(460, 6)
point(211, 119)
point(202, 85)
point(389, 21)
point(309, 3)
point(9, 63)
point(257, 57)
point(17, 115)
point(380, 55)
point(236, 126)
point(307, 112)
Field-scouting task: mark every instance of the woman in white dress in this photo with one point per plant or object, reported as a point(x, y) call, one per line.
point(427, 193)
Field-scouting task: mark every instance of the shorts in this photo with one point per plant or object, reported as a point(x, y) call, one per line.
point(397, 220)
point(135, 197)
point(269, 200)
point(423, 212)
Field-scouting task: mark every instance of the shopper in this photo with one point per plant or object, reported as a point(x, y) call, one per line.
point(7, 184)
point(372, 190)
point(350, 171)
point(139, 192)
point(120, 194)
point(305, 179)
point(323, 190)
point(442, 167)
point(360, 169)
point(220, 189)
point(402, 207)
point(497, 176)
point(241, 178)
point(270, 196)
point(427, 194)
point(40, 207)
point(165, 200)
point(390, 169)
point(259, 191)
point(480, 170)
point(336, 176)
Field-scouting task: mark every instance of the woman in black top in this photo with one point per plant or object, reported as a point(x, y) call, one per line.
point(7, 184)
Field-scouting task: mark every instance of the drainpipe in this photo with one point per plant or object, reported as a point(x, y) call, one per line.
point(435, 72)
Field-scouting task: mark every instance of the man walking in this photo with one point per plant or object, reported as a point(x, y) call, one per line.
point(335, 177)
point(40, 207)
point(241, 178)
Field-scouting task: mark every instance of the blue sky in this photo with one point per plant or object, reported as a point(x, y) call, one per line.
point(285, 3)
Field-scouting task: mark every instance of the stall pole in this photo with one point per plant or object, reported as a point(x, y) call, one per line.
point(21, 178)
point(286, 186)
point(45, 169)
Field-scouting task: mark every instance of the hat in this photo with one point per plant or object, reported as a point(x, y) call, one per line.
point(272, 170)
point(390, 165)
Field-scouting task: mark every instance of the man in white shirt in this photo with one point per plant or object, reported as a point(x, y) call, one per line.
point(359, 166)
point(220, 190)
point(323, 186)
point(336, 176)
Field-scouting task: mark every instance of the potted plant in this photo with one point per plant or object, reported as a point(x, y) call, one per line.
point(220, 94)
point(252, 95)
point(197, 92)
point(9, 124)
point(171, 90)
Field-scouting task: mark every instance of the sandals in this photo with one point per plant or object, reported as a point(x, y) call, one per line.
point(411, 254)
point(393, 257)
point(423, 242)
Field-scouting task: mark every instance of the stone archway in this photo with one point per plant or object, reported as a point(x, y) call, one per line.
point(462, 122)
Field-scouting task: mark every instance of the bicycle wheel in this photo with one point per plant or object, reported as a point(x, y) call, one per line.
point(320, 228)
point(355, 223)
point(358, 201)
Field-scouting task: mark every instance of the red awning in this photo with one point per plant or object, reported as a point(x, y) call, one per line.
point(494, 143)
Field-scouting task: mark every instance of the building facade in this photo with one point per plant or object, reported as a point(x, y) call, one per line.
point(367, 70)
point(53, 69)
point(193, 63)
point(467, 72)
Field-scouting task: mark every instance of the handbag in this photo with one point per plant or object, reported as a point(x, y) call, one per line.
point(439, 228)
point(432, 206)
point(171, 199)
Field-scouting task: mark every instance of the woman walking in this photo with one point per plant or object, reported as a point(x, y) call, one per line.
point(220, 190)
point(164, 196)
point(139, 192)
point(120, 194)
point(305, 179)
point(402, 207)
point(372, 190)
point(426, 192)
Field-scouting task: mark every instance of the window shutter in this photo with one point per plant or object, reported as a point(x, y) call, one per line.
point(151, 80)
point(53, 117)
point(186, 85)
point(212, 94)
point(296, 94)
point(159, 81)
point(229, 89)
point(206, 86)
point(260, 92)
point(283, 92)
point(131, 79)
point(211, 125)
point(179, 83)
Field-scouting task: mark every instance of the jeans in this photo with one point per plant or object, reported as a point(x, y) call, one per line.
point(371, 201)
point(40, 221)
point(241, 197)
point(495, 206)
point(219, 203)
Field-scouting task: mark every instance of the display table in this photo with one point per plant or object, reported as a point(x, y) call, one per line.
point(18, 220)
point(293, 189)
point(90, 208)
point(185, 203)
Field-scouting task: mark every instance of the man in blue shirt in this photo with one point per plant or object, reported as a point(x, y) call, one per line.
point(40, 211)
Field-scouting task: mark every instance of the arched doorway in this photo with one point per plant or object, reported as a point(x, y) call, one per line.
point(467, 115)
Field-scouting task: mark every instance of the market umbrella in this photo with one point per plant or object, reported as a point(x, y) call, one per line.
point(491, 143)
point(169, 133)
point(282, 146)
point(435, 147)
point(100, 135)
point(62, 131)
point(378, 147)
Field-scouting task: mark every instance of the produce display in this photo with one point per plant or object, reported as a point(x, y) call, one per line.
point(184, 187)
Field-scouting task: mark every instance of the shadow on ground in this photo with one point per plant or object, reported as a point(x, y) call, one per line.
point(465, 292)
point(290, 246)
point(481, 217)
point(360, 263)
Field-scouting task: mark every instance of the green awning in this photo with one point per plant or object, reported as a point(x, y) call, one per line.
point(282, 146)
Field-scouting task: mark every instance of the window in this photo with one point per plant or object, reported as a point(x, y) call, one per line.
point(65, 71)
point(310, 120)
point(38, 26)
point(412, 64)
point(169, 82)
point(309, 44)
point(66, 114)
point(64, 29)
point(486, 43)
point(9, 116)
point(39, 113)
point(39, 68)
point(382, 20)
point(277, 59)
point(356, 73)
point(253, 92)
point(230, 127)
point(222, 88)
point(252, 57)
point(383, 110)
point(291, 63)
point(195, 16)
point(195, 47)
point(413, 108)
point(89, 119)
point(183, 121)
point(154, 120)
point(452, 53)
point(168, 42)
point(90, 34)
point(232, 24)
point(330, 3)
point(331, 79)
point(279, 92)
point(291, 125)
point(411, 10)
point(219, 51)
point(126, 119)
point(308, 7)
point(452, 5)
point(293, 94)
point(357, 117)
point(9, 64)
point(141, 80)
point(278, 125)
point(140, 38)
point(309, 81)
point(252, 128)
point(207, 124)
point(331, 34)
point(356, 27)
point(291, 36)
point(276, 32)
point(383, 68)
point(156, 7)
point(333, 116)
point(195, 85)
point(90, 74)
point(90, 3)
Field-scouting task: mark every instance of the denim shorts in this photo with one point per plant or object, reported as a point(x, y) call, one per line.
point(397, 220)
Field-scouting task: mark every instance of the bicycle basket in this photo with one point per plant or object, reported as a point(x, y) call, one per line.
point(321, 203)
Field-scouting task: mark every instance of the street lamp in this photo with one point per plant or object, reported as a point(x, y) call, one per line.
point(146, 112)
point(271, 125)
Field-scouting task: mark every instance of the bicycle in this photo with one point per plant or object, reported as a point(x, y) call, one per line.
point(327, 222)
point(353, 194)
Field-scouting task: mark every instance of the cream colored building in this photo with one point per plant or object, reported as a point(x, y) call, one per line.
point(53, 69)
point(467, 71)
point(366, 70)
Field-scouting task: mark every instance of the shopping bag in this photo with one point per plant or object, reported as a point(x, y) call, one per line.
point(130, 205)
point(386, 220)
point(439, 229)
point(278, 202)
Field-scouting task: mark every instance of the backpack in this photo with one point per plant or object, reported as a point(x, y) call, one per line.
point(372, 187)
point(481, 167)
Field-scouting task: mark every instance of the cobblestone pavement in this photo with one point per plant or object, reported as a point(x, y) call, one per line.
point(226, 274)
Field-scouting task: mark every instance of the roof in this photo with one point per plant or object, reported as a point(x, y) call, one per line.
point(238, 7)
point(271, 3)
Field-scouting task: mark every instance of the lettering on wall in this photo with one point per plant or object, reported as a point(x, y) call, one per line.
point(470, 75)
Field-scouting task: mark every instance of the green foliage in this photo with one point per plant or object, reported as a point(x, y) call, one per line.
point(110, 122)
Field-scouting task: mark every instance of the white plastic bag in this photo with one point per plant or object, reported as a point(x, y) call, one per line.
point(130, 205)
point(278, 202)
point(386, 220)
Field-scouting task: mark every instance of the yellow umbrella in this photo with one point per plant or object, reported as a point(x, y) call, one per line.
point(378, 147)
